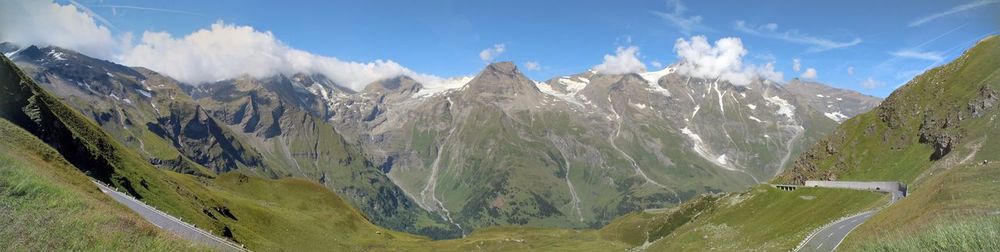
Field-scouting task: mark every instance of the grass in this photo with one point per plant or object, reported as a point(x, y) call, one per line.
point(766, 219)
point(962, 192)
point(47, 204)
point(976, 234)
point(640, 227)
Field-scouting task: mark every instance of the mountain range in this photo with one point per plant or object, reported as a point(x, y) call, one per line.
point(210, 155)
point(498, 149)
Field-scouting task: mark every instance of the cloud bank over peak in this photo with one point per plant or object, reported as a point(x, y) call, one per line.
point(225, 51)
point(219, 52)
point(46, 23)
point(625, 60)
point(722, 61)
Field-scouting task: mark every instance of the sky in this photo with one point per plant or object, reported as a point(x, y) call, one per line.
point(869, 46)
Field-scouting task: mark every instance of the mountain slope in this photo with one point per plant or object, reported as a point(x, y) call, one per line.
point(263, 214)
point(927, 134)
point(265, 127)
point(577, 151)
point(46, 204)
point(222, 205)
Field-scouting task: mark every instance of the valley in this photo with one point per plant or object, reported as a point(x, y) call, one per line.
point(117, 133)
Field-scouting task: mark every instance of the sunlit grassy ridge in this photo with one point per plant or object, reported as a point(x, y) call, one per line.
point(46, 204)
point(972, 234)
point(765, 218)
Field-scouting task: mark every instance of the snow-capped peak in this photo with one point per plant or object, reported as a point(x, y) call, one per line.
point(444, 85)
point(653, 79)
point(654, 76)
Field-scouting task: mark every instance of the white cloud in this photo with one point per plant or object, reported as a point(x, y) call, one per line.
point(488, 54)
point(677, 18)
point(226, 51)
point(796, 65)
point(532, 65)
point(953, 10)
point(46, 23)
point(625, 60)
point(220, 52)
point(915, 54)
point(656, 64)
point(794, 36)
point(723, 61)
point(871, 83)
point(850, 71)
point(767, 72)
point(810, 74)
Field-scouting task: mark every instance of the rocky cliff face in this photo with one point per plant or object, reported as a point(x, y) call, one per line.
point(919, 127)
point(270, 127)
point(578, 150)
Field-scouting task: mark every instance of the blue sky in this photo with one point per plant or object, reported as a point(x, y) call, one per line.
point(884, 42)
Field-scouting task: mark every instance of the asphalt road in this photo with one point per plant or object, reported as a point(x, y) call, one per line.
point(169, 223)
point(830, 237)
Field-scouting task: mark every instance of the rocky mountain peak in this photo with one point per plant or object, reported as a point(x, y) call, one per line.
point(400, 84)
point(8, 48)
point(503, 67)
point(502, 78)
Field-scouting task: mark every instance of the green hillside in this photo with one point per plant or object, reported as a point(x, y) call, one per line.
point(927, 134)
point(202, 201)
point(46, 204)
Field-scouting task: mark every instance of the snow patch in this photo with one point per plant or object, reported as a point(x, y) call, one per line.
point(56, 55)
point(703, 151)
point(653, 79)
point(547, 89)
point(443, 86)
point(722, 159)
point(573, 86)
point(820, 96)
point(836, 116)
point(639, 105)
point(756, 119)
point(784, 108)
point(144, 93)
point(752, 106)
point(722, 108)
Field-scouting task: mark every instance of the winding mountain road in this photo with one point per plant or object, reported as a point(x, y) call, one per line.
point(828, 238)
point(169, 223)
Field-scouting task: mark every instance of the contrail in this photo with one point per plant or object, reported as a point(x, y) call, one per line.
point(953, 10)
point(149, 9)
point(92, 14)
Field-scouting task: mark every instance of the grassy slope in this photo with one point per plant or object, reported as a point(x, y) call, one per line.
point(765, 218)
point(965, 192)
point(883, 144)
point(47, 204)
point(973, 234)
point(948, 189)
